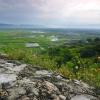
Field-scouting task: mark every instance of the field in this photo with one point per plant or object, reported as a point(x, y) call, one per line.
point(74, 54)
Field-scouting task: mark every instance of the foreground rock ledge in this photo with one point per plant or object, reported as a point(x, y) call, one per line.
point(25, 82)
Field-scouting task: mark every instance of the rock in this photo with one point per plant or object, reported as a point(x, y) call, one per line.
point(84, 97)
point(16, 92)
point(25, 98)
point(42, 73)
point(26, 82)
point(59, 77)
point(62, 97)
point(56, 98)
point(80, 98)
point(3, 94)
point(35, 91)
point(7, 78)
point(9, 71)
point(50, 87)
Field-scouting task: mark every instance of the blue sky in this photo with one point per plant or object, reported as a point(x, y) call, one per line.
point(51, 13)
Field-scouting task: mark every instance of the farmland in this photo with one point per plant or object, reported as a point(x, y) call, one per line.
point(74, 54)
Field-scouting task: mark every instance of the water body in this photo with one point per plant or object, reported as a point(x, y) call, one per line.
point(32, 45)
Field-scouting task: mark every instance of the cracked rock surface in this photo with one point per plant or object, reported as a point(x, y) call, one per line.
point(26, 82)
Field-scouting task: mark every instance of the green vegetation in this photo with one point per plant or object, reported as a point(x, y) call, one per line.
point(75, 57)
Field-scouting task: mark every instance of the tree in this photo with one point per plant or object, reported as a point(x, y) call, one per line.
point(60, 54)
point(97, 39)
point(87, 53)
point(89, 40)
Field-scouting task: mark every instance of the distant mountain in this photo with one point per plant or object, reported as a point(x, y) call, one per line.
point(6, 25)
point(2, 25)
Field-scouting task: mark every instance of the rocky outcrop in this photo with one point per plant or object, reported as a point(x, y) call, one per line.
point(25, 82)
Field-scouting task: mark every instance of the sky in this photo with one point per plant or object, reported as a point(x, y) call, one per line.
point(51, 13)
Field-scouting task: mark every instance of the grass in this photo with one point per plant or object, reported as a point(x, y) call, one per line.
point(13, 44)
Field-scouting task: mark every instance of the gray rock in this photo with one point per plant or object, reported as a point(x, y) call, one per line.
point(62, 97)
point(25, 98)
point(25, 82)
point(50, 87)
point(42, 73)
point(84, 97)
point(16, 92)
point(35, 91)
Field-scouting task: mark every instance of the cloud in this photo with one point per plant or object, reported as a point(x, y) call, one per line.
point(53, 12)
point(71, 9)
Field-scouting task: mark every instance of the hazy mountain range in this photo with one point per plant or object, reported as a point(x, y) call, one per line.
point(3, 25)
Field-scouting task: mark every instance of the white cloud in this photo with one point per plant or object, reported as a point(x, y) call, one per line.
point(84, 11)
point(54, 12)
